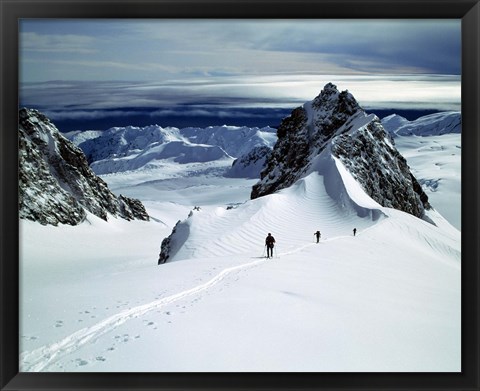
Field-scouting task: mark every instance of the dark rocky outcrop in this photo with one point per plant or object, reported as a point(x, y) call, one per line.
point(249, 165)
point(173, 243)
point(370, 156)
point(335, 120)
point(56, 184)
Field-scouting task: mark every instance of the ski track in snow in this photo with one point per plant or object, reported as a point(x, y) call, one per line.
point(41, 359)
point(44, 357)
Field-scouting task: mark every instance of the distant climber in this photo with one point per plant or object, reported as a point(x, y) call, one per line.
point(354, 231)
point(318, 234)
point(269, 242)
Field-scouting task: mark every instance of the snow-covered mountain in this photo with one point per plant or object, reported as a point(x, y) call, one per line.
point(131, 148)
point(251, 164)
point(332, 138)
point(56, 185)
point(335, 124)
point(428, 125)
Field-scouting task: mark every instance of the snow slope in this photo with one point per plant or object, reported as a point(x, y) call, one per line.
point(388, 299)
point(130, 148)
point(428, 125)
point(436, 162)
point(432, 146)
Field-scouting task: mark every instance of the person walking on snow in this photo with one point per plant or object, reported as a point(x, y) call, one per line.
point(269, 242)
point(354, 231)
point(318, 234)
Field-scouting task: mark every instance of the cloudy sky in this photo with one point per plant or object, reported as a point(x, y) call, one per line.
point(87, 69)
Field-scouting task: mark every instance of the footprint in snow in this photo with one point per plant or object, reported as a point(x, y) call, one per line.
point(100, 358)
point(59, 323)
point(81, 362)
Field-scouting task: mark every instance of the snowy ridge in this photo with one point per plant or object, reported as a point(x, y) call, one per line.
point(335, 121)
point(303, 135)
point(130, 148)
point(429, 125)
point(319, 198)
point(328, 195)
point(369, 154)
point(234, 140)
point(79, 136)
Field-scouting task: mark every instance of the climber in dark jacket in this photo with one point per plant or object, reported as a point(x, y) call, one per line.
point(269, 242)
point(318, 234)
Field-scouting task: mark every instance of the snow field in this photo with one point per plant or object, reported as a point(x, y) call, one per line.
point(94, 299)
point(316, 309)
point(436, 162)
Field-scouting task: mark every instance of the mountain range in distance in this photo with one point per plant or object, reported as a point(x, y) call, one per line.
point(244, 149)
point(140, 145)
point(141, 117)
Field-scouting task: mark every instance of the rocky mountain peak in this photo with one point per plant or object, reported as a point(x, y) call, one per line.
point(56, 185)
point(331, 99)
point(335, 123)
point(303, 134)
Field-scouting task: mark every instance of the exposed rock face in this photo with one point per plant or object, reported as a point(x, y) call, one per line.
point(166, 246)
point(370, 156)
point(56, 185)
point(249, 165)
point(303, 135)
point(173, 243)
point(335, 120)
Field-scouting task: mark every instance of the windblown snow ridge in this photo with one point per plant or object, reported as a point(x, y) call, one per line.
point(332, 163)
point(335, 120)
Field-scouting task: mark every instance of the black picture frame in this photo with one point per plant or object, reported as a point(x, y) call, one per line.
point(13, 10)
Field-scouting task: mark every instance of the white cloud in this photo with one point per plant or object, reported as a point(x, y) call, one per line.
point(274, 91)
point(57, 115)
